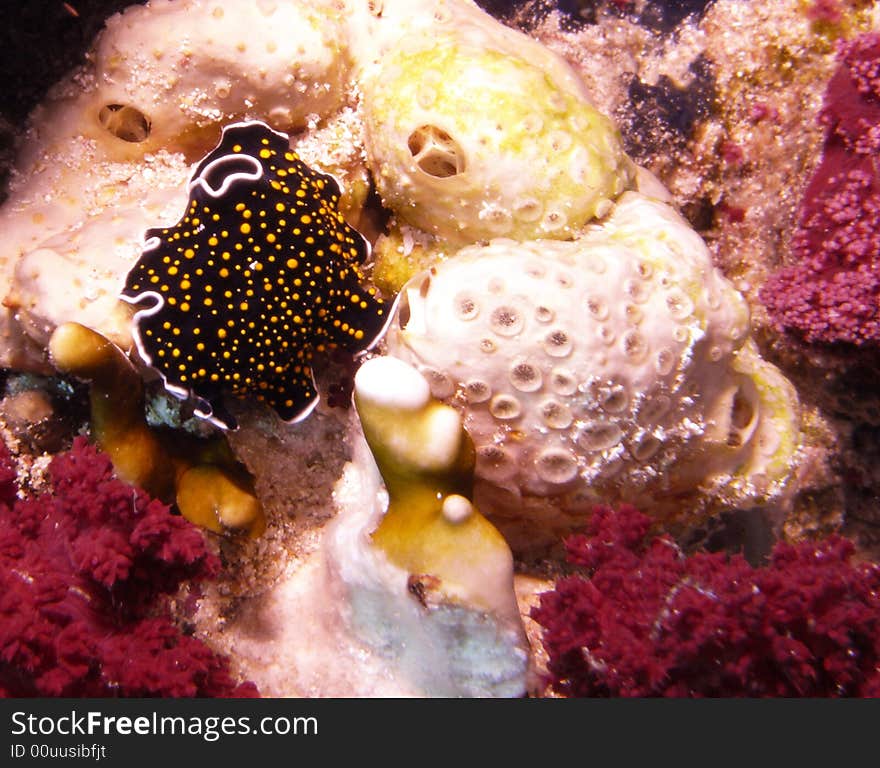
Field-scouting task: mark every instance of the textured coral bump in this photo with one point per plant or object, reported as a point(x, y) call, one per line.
point(646, 620)
point(831, 292)
point(85, 573)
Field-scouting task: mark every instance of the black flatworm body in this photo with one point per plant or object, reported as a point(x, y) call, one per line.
point(260, 274)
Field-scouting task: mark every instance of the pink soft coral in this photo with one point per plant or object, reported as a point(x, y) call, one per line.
point(832, 291)
point(83, 574)
point(645, 620)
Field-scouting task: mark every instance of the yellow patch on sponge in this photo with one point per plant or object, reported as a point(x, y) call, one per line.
point(200, 475)
point(431, 528)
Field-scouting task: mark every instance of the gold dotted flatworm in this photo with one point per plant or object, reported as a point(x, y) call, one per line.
point(260, 274)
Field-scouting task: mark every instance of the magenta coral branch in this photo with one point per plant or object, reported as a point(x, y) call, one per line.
point(643, 619)
point(831, 292)
point(83, 573)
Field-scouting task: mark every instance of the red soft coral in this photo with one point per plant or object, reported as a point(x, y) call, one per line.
point(83, 574)
point(645, 620)
point(826, 11)
point(832, 291)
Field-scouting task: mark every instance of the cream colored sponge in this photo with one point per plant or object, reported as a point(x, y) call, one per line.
point(614, 367)
point(468, 141)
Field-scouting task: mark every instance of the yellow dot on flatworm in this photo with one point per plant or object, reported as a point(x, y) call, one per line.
point(243, 306)
point(213, 240)
point(189, 253)
point(245, 228)
point(292, 263)
point(221, 333)
point(265, 154)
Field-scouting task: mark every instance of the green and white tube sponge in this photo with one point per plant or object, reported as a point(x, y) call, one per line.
point(616, 367)
point(428, 580)
point(471, 134)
